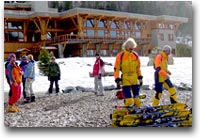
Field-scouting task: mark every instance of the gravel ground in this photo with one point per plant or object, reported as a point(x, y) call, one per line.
point(75, 109)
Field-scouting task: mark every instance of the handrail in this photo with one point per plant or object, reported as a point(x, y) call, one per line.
point(75, 37)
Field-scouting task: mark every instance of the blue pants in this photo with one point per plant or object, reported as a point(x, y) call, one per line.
point(159, 86)
point(127, 91)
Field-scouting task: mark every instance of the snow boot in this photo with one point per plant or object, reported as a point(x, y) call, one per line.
point(11, 109)
point(32, 98)
point(17, 108)
point(128, 102)
point(173, 97)
point(156, 99)
point(137, 102)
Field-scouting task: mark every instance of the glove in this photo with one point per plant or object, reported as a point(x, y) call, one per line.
point(140, 80)
point(48, 78)
point(118, 80)
point(169, 73)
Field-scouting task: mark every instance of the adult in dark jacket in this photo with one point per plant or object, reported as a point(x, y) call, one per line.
point(53, 75)
point(23, 64)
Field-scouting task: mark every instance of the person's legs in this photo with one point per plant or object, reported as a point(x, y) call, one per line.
point(100, 85)
point(135, 90)
point(172, 91)
point(127, 95)
point(13, 99)
point(24, 86)
point(51, 86)
point(96, 84)
point(158, 95)
point(57, 86)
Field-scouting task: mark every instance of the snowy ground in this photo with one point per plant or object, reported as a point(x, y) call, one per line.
point(75, 72)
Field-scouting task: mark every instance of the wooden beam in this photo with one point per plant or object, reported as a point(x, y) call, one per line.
point(37, 25)
point(74, 22)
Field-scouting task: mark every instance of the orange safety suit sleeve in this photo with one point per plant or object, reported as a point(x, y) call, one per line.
point(158, 61)
point(117, 66)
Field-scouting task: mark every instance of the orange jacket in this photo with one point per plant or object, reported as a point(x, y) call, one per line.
point(17, 74)
point(161, 65)
point(129, 65)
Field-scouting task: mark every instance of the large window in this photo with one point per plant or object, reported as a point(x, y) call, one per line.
point(103, 52)
point(90, 32)
point(115, 52)
point(113, 34)
point(171, 37)
point(90, 52)
point(161, 36)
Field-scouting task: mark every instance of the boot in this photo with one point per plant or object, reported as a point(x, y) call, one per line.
point(137, 102)
point(27, 100)
point(156, 99)
point(173, 97)
point(32, 98)
point(128, 102)
point(11, 109)
point(16, 107)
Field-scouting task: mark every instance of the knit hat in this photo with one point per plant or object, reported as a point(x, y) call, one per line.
point(97, 54)
point(11, 56)
point(129, 43)
point(24, 57)
point(167, 48)
point(53, 58)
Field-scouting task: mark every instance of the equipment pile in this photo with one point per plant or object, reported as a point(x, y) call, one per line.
point(173, 115)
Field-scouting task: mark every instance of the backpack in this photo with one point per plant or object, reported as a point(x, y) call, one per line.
point(119, 95)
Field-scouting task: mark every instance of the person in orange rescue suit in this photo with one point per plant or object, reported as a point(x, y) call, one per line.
point(161, 77)
point(15, 78)
point(128, 62)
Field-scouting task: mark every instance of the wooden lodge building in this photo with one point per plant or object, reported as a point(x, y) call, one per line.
point(31, 26)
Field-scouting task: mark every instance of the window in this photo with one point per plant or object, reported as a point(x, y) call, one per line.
point(161, 25)
point(103, 52)
point(115, 52)
point(161, 36)
point(100, 33)
point(90, 32)
point(101, 24)
point(171, 26)
point(171, 37)
point(113, 33)
point(90, 52)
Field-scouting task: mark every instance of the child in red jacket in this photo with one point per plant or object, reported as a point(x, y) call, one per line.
point(98, 72)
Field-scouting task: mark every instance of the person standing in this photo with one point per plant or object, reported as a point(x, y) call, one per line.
point(15, 78)
point(161, 77)
point(29, 75)
point(128, 63)
point(53, 75)
point(98, 72)
point(23, 65)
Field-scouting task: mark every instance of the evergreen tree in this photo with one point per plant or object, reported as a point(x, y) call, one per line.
point(183, 50)
point(43, 62)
